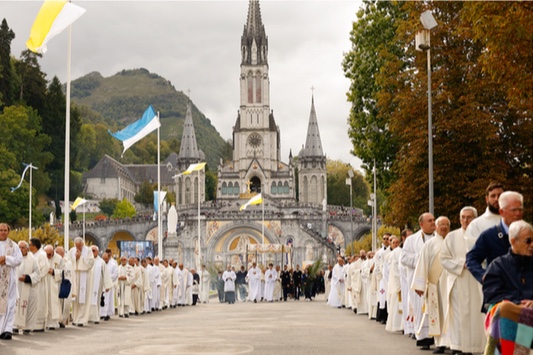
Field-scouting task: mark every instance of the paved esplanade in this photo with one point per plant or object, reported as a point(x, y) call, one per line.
point(292, 327)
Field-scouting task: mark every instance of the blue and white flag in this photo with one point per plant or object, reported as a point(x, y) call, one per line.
point(27, 166)
point(139, 129)
point(156, 200)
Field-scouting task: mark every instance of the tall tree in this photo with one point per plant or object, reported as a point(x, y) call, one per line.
point(339, 191)
point(7, 75)
point(32, 88)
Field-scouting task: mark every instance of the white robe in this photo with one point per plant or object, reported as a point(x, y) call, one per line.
point(427, 268)
point(66, 303)
point(381, 276)
point(270, 282)
point(205, 278)
point(175, 286)
point(347, 295)
point(8, 279)
point(409, 258)
point(395, 317)
point(482, 223)
point(26, 311)
point(229, 280)
point(54, 309)
point(254, 282)
point(464, 319)
point(109, 297)
point(124, 297)
point(43, 290)
point(371, 295)
point(337, 287)
point(407, 321)
point(101, 281)
point(82, 272)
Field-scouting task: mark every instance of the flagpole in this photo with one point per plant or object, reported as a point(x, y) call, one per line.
point(199, 236)
point(263, 228)
point(159, 202)
point(84, 222)
point(66, 204)
point(31, 184)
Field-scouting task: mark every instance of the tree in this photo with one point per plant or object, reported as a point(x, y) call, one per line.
point(339, 191)
point(107, 206)
point(124, 209)
point(7, 73)
point(210, 185)
point(32, 88)
point(145, 196)
point(48, 235)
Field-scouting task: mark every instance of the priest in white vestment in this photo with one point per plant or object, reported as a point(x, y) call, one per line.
point(53, 276)
point(337, 284)
point(126, 278)
point(166, 280)
point(66, 303)
point(28, 276)
point(147, 289)
point(229, 278)
point(254, 283)
point(137, 288)
point(429, 282)
point(277, 286)
point(82, 260)
point(184, 285)
point(381, 278)
point(101, 283)
point(347, 294)
point(359, 287)
point(270, 282)
point(394, 287)
point(409, 258)
point(157, 287)
point(370, 277)
point(108, 309)
point(175, 284)
point(491, 217)
point(407, 321)
point(327, 280)
point(43, 286)
point(205, 278)
point(355, 281)
point(10, 258)
point(464, 319)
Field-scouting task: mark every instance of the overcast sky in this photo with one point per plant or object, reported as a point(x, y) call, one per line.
point(196, 45)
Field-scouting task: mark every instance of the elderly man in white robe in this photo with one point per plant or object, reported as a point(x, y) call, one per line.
point(337, 284)
point(175, 284)
point(409, 258)
point(157, 291)
point(137, 288)
point(101, 283)
point(394, 287)
point(429, 282)
point(53, 276)
point(28, 276)
point(380, 270)
point(148, 280)
point(407, 321)
point(229, 278)
point(464, 319)
point(43, 286)
point(183, 280)
point(347, 295)
point(270, 282)
point(10, 258)
point(166, 284)
point(205, 279)
point(66, 303)
point(254, 282)
point(126, 278)
point(108, 309)
point(82, 260)
point(370, 279)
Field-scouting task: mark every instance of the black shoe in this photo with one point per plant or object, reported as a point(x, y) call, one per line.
point(80, 325)
point(96, 322)
point(126, 315)
point(255, 301)
point(26, 332)
point(439, 350)
point(37, 331)
point(61, 325)
point(107, 318)
point(6, 336)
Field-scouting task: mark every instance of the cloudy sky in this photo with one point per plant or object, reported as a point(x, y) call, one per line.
point(196, 45)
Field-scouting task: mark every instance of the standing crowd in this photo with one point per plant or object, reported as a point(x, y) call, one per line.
point(43, 289)
point(469, 290)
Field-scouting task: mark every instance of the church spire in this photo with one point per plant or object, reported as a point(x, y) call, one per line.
point(254, 41)
point(188, 147)
point(313, 144)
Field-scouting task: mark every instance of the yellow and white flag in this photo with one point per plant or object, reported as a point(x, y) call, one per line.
point(256, 200)
point(194, 167)
point(52, 19)
point(79, 201)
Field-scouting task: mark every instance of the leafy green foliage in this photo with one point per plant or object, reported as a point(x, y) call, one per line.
point(124, 209)
point(339, 191)
point(107, 206)
point(145, 196)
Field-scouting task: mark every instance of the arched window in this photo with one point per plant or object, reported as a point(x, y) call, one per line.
point(236, 188)
point(273, 188)
point(250, 84)
point(286, 187)
point(224, 188)
point(258, 87)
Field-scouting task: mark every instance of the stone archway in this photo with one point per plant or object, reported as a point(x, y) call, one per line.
point(119, 235)
point(255, 185)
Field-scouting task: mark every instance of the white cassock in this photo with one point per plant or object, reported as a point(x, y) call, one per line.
point(359, 289)
point(355, 282)
point(175, 286)
point(205, 278)
point(156, 287)
point(394, 305)
point(82, 274)
point(327, 282)
point(124, 298)
point(43, 290)
point(407, 322)
point(8, 282)
point(109, 297)
point(270, 283)
point(229, 285)
point(166, 278)
point(183, 278)
point(337, 287)
point(54, 308)
point(464, 319)
point(254, 281)
point(482, 223)
point(189, 288)
point(101, 281)
point(409, 258)
point(430, 278)
point(347, 295)
point(277, 287)
point(381, 277)
point(147, 288)
point(371, 293)
point(66, 303)
point(137, 290)
point(26, 309)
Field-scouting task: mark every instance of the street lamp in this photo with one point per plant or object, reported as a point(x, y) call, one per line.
point(349, 182)
point(422, 41)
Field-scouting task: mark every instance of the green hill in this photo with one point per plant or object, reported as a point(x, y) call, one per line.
point(121, 99)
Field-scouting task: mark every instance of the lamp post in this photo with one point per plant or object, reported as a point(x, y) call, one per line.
point(349, 182)
point(422, 42)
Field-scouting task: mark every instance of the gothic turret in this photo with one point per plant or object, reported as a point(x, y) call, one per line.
point(254, 42)
point(313, 144)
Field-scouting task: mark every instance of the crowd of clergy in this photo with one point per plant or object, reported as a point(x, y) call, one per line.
point(436, 285)
point(32, 276)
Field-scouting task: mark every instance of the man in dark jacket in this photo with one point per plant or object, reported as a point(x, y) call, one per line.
point(285, 282)
point(510, 277)
point(494, 241)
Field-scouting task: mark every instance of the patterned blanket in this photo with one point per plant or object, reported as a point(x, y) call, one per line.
point(509, 329)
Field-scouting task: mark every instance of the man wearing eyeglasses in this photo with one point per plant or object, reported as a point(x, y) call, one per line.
point(510, 277)
point(494, 241)
point(10, 258)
